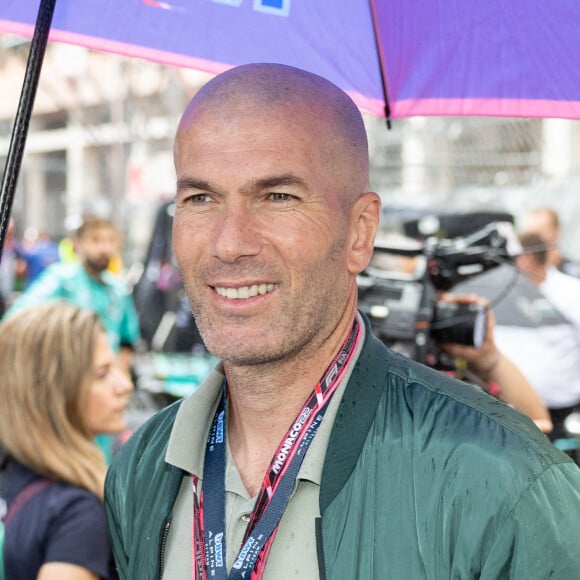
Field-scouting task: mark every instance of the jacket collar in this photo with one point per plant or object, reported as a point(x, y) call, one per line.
point(354, 416)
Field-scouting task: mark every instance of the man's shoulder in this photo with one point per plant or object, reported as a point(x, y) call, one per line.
point(149, 441)
point(561, 277)
point(405, 418)
point(570, 267)
point(454, 412)
point(146, 449)
point(138, 471)
point(115, 281)
point(63, 271)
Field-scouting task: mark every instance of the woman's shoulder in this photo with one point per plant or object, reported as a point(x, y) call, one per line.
point(60, 495)
point(31, 490)
point(78, 529)
point(55, 502)
point(64, 523)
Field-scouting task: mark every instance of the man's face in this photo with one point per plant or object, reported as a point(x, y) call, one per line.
point(528, 264)
point(96, 247)
point(541, 224)
point(261, 236)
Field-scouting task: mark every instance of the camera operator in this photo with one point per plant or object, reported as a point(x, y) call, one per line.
point(404, 293)
point(489, 368)
point(549, 352)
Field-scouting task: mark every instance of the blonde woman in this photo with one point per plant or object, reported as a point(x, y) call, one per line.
point(59, 388)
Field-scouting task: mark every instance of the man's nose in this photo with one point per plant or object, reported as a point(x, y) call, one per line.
point(236, 235)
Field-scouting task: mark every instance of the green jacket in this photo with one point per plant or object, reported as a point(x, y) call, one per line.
point(109, 298)
point(424, 477)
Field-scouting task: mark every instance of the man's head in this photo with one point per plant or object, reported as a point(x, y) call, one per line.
point(254, 93)
point(534, 258)
point(544, 222)
point(96, 242)
point(273, 215)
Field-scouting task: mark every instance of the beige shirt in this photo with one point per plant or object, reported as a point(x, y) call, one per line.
point(293, 553)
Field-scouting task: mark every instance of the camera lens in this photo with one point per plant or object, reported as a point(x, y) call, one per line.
point(460, 323)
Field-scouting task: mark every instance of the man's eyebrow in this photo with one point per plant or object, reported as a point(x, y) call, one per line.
point(286, 179)
point(191, 183)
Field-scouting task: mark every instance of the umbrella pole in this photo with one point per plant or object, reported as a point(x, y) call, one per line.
point(382, 65)
point(22, 120)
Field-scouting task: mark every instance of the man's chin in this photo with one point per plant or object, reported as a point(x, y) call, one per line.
point(98, 266)
point(249, 352)
point(246, 352)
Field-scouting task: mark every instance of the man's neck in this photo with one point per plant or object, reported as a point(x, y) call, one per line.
point(259, 414)
point(94, 274)
point(263, 403)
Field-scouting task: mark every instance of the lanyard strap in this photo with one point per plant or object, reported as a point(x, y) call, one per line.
point(208, 532)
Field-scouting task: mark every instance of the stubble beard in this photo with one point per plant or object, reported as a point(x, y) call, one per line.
point(293, 331)
point(299, 325)
point(97, 265)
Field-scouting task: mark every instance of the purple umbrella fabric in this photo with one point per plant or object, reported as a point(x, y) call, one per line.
point(439, 57)
point(513, 58)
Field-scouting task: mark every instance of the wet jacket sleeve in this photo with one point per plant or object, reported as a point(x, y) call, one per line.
point(113, 505)
point(140, 490)
point(539, 539)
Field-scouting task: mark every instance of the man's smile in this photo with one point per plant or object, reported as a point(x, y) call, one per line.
point(244, 292)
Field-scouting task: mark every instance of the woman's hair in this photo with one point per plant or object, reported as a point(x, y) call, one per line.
point(46, 361)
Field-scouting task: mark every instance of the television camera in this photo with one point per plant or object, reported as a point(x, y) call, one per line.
point(400, 289)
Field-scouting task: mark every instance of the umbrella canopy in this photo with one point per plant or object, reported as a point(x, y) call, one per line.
point(442, 57)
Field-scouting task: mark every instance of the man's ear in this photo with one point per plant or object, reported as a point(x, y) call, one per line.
point(365, 217)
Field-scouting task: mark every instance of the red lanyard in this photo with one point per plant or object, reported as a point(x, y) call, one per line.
point(209, 548)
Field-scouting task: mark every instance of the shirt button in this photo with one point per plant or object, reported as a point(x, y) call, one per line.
point(245, 517)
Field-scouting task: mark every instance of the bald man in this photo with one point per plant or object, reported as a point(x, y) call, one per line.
point(312, 451)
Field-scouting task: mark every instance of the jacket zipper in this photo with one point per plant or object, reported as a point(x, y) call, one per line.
point(162, 547)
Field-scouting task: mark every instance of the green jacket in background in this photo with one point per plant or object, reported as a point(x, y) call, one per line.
point(110, 298)
point(424, 478)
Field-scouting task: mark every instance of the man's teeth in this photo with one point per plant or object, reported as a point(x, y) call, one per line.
point(245, 291)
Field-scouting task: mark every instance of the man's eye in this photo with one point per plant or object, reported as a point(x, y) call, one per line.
point(198, 198)
point(281, 196)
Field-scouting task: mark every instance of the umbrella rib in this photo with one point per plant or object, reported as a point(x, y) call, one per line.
point(381, 65)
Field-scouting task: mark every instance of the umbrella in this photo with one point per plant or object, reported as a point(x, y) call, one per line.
point(442, 57)
point(395, 58)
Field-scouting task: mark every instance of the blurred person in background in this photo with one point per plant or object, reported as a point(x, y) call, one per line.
point(548, 354)
point(561, 289)
point(60, 387)
point(38, 251)
point(545, 222)
point(88, 283)
point(493, 371)
point(485, 366)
